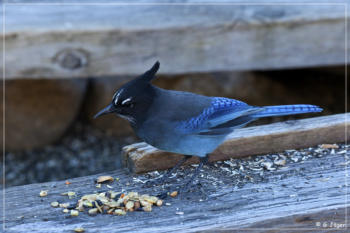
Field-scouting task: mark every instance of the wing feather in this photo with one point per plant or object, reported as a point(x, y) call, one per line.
point(220, 118)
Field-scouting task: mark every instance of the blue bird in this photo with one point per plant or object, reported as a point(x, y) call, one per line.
point(183, 122)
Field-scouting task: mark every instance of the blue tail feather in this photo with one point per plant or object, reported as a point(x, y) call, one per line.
point(282, 110)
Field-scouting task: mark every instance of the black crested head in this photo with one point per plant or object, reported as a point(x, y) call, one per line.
point(134, 98)
point(150, 74)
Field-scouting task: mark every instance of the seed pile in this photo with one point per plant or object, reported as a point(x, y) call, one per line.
point(110, 202)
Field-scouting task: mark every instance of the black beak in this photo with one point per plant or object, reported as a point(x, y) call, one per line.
point(109, 109)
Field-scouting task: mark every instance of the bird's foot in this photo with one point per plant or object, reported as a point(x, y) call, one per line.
point(157, 182)
point(151, 183)
point(166, 177)
point(186, 187)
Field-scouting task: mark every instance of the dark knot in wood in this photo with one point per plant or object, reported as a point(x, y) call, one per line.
point(71, 58)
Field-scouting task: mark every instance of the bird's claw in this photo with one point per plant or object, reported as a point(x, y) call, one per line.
point(155, 182)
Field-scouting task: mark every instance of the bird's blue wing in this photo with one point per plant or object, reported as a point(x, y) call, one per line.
point(220, 117)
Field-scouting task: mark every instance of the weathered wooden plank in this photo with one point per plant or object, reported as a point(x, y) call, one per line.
point(77, 40)
point(295, 199)
point(141, 157)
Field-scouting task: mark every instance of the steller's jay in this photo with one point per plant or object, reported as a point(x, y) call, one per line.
point(183, 122)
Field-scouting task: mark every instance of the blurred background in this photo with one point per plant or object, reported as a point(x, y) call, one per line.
point(63, 62)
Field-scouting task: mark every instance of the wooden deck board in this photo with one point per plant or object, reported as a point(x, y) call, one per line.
point(64, 41)
point(292, 199)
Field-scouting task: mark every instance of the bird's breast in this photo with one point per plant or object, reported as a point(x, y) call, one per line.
point(169, 139)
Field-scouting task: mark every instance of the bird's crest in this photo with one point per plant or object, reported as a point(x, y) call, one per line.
point(149, 75)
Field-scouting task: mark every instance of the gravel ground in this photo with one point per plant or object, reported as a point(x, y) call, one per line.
point(82, 151)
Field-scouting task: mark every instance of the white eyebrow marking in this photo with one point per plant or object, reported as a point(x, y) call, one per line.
point(116, 96)
point(127, 100)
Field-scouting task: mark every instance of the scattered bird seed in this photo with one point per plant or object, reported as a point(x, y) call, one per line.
point(63, 205)
point(144, 203)
point(173, 194)
point(55, 204)
point(79, 229)
point(329, 146)
point(74, 213)
point(43, 193)
point(119, 212)
point(129, 205)
point(71, 195)
point(280, 162)
point(147, 208)
point(268, 166)
point(109, 211)
point(111, 202)
point(87, 204)
point(92, 211)
point(254, 169)
point(137, 180)
point(159, 203)
point(104, 179)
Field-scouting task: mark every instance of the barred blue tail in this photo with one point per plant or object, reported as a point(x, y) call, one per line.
point(282, 110)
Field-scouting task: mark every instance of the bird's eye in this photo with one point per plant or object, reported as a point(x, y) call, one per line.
point(127, 103)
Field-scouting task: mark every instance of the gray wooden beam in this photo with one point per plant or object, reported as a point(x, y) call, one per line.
point(77, 40)
point(277, 137)
point(306, 196)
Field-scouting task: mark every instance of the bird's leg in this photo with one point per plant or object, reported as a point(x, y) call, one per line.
point(202, 161)
point(167, 175)
point(182, 161)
